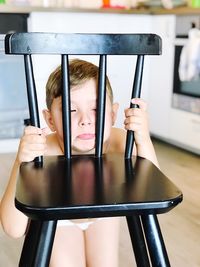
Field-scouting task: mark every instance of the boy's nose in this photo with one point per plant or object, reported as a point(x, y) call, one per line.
point(85, 120)
point(83, 123)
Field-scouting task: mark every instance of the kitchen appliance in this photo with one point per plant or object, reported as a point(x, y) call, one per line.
point(184, 113)
point(13, 99)
point(186, 94)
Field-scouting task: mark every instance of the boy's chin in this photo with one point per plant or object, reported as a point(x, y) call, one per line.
point(83, 151)
point(87, 149)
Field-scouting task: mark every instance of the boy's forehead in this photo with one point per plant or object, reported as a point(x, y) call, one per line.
point(90, 83)
point(87, 88)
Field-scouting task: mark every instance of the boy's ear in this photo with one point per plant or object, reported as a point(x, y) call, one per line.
point(48, 118)
point(115, 108)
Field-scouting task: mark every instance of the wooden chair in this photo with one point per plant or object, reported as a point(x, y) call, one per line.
point(138, 190)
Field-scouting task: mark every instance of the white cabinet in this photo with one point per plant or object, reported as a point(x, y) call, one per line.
point(75, 22)
point(185, 130)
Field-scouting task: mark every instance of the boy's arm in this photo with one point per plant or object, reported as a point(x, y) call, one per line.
point(32, 144)
point(13, 221)
point(147, 151)
point(137, 121)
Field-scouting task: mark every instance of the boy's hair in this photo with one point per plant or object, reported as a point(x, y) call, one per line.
point(80, 71)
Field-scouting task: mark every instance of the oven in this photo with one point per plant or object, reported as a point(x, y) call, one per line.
point(13, 99)
point(186, 94)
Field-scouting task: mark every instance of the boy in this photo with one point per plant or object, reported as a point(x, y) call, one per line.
point(94, 242)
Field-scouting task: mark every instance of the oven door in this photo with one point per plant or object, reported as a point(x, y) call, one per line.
point(13, 98)
point(190, 88)
point(186, 94)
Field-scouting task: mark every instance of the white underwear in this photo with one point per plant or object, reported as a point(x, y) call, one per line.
point(82, 225)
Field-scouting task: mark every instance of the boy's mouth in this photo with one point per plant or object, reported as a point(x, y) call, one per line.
point(86, 136)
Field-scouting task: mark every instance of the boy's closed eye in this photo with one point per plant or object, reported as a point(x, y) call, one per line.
point(74, 110)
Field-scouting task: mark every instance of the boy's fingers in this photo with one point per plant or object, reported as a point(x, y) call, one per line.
point(136, 111)
point(133, 112)
point(46, 131)
point(140, 102)
point(37, 139)
point(132, 127)
point(30, 139)
point(131, 120)
point(32, 130)
point(37, 147)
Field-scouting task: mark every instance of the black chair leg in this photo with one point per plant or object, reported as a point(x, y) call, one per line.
point(155, 242)
point(38, 244)
point(138, 241)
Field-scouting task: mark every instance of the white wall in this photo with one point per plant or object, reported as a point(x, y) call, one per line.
point(161, 77)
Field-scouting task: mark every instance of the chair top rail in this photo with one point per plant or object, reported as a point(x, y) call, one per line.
point(83, 44)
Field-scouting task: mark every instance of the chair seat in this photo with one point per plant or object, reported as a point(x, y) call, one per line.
point(109, 186)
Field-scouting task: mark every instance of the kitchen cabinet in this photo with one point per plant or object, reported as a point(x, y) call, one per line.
point(13, 99)
point(13, 22)
point(184, 130)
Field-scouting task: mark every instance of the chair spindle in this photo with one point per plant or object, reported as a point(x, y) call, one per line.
point(101, 106)
point(66, 106)
point(32, 96)
point(136, 92)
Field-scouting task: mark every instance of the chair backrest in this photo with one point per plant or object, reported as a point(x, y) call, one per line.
point(28, 44)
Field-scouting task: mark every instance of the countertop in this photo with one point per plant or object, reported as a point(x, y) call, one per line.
point(184, 10)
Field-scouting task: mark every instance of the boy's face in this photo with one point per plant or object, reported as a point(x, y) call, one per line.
point(83, 118)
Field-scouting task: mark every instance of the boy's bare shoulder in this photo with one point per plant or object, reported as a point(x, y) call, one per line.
point(53, 147)
point(117, 140)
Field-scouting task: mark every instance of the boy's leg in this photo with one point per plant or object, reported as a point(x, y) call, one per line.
point(101, 243)
point(68, 248)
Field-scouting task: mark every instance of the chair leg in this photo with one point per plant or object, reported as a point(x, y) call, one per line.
point(138, 241)
point(155, 242)
point(38, 244)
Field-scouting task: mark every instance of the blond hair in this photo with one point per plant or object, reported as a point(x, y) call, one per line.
point(80, 71)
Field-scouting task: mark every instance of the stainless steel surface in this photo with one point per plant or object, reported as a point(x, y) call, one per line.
point(13, 102)
point(181, 99)
point(184, 23)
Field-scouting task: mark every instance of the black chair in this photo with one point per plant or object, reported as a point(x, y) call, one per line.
point(138, 190)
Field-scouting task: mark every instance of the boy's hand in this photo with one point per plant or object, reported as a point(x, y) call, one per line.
point(137, 121)
point(32, 144)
